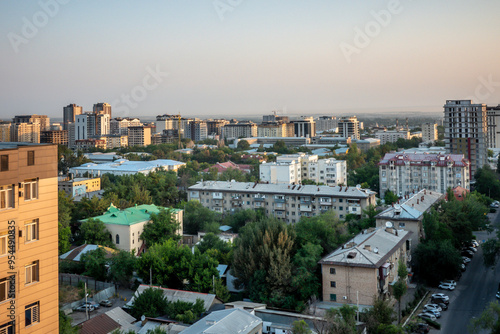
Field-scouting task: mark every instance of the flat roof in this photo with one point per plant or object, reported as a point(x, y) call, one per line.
point(124, 165)
point(12, 145)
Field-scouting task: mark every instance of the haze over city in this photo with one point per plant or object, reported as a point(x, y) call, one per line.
point(244, 58)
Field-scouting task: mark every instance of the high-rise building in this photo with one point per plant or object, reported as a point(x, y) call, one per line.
point(5, 132)
point(271, 129)
point(59, 137)
point(305, 127)
point(493, 114)
point(164, 122)
point(69, 114)
point(102, 108)
point(349, 127)
point(215, 126)
point(465, 131)
point(197, 130)
point(42, 120)
point(240, 130)
point(139, 136)
point(28, 239)
point(326, 123)
point(25, 132)
point(89, 125)
point(119, 126)
point(429, 132)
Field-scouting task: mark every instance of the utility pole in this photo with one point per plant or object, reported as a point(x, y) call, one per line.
point(86, 305)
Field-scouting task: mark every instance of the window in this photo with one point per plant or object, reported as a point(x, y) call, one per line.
point(332, 271)
point(333, 284)
point(4, 289)
point(30, 189)
point(4, 163)
point(31, 158)
point(6, 197)
point(32, 272)
point(32, 314)
point(31, 230)
point(333, 297)
point(117, 239)
point(7, 328)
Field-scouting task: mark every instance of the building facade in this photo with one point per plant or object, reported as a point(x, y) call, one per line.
point(389, 136)
point(348, 127)
point(5, 132)
point(240, 130)
point(403, 173)
point(102, 108)
point(305, 127)
point(79, 186)
point(197, 130)
point(429, 132)
point(280, 172)
point(25, 132)
point(466, 131)
point(69, 114)
point(326, 123)
point(59, 137)
point(42, 120)
point(286, 202)
point(139, 136)
point(119, 126)
point(28, 239)
point(272, 129)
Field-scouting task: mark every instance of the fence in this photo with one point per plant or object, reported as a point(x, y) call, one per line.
point(72, 279)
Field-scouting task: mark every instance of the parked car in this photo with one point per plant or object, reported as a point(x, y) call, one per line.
point(106, 303)
point(83, 308)
point(498, 294)
point(438, 300)
point(436, 313)
point(475, 243)
point(465, 259)
point(92, 303)
point(494, 205)
point(422, 328)
point(443, 306)
point(447, 286)
point(449, 281)
point(468, 253)
point(440, 295)
point(462, 267)
point(433, 306)
point(429, 316)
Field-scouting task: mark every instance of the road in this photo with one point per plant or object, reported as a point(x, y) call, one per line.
point(475, 290)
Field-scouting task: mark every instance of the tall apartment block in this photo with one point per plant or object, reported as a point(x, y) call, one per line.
point(28, 239)
point(466, 131)
point(429, 132)
point(493, 114)
point(326, 123)
point(25, 132)
point(349, 127)
point(69, 114)
point(196, 131)
point(139, 136)
point(240, 130)
point(42, 120)
point(102, 108)
point(119, 126)
point(305, 127)
point(5, 132)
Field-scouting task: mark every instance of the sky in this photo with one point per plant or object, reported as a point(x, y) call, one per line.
point(247, 57)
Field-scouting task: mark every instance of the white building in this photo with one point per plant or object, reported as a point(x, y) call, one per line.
point(308, 164)
point(126, 167)
point(349, 127)
point(403, 173)
point(280, 172)
point(326, 123)
point(332, 172)
point(119, 126)
point(392, 136)
point(429, 132)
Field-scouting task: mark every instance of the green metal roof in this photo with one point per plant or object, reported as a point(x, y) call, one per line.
point(130, 216)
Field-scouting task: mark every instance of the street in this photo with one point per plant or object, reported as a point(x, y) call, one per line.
point(475, 290)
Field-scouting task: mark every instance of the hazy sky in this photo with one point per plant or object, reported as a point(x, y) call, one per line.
point(246, 57)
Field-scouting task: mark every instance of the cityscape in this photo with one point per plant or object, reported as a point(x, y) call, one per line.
point(214, 174)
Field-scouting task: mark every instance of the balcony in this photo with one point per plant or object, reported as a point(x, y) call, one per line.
point(260, 199)
point(305, 208)
point(279, 200)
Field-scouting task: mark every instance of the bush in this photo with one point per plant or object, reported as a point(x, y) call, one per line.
point(433, 323)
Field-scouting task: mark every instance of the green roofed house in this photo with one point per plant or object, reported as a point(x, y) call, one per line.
point(127, 225)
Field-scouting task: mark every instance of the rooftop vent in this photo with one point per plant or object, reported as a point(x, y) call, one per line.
point(368, 247)
point(351, 255)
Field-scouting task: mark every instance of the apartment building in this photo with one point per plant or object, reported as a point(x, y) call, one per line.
point(331, 172)
point(69, 114)
point(403, 173)
point(326, 123)
point(408, 213)
point(305, 127)
point(127, 225)
point(25, 132)
point(79, 186)
point(215, 126)
point(196, 131)
point(115, 141)
point(28, 238)
point(59, 137)
point(5, 132)
point(119, 126)
point(429, 132)
point(165, 137)
point(240, 130)
point(286, 202)
point(86, 144)
point(42, 120)
point(139, 136)
point(280, 172)
point(308, 164)
point(272, 129)
point(349, 127)
point(465, 131)
point(102, 108)
point(363, 267)
point(392, 136)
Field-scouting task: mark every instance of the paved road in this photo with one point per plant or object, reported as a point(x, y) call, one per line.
point(474, 291)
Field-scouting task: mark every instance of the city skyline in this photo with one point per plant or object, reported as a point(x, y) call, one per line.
point(246, 58)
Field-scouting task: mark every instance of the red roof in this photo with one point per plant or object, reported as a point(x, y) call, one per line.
point(459, 192)
point(424, 159)
point(223, 166)
point(100, 324)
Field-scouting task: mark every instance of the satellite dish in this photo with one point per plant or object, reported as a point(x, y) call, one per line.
point(388, 224)
point(358, 186)
point(143, 317)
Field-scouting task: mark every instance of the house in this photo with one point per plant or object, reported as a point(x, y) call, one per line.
point(364, 267)
point(227, 321)
point(221, 167)
point(460, 193)
point(408, 215)
point(127, 225)
point(281, 322)
point(107, 322)
point(210, 301)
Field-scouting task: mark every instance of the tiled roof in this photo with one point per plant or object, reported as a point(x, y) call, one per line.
point(354, 253)
point(226, 321)
point(223, 166)
point(100, 324)
point(441, 160)
point(130, 216)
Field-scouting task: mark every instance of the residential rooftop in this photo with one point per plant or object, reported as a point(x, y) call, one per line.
point(368, 249)
point(424, 159)
point(413, 207)
point(130, 216)
point(226, 321)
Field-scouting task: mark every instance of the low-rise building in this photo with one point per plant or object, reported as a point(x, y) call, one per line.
point(408, 214)
point(126, 167)
point(85, 144)
point(79, 186)
point(227, 321)
point(403, 173)
point(392, 136)
point(286, 202)
point(221, 167)
point(127, 225)
point(364, 267)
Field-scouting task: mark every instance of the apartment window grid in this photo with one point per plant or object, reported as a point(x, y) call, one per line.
point(32, 314)
point(32, 271)
point(6, 197)
point(31, 230)
point(7, 328)
point(30, 189)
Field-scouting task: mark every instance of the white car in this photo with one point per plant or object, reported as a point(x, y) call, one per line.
point(474, 249)
point(465, 259)
point(429, 316)
point(498, 295)
point(440, 295)
point(449, 281)
point(433, 306)
point(436, 313)
point(475, 243)
point(446, 286)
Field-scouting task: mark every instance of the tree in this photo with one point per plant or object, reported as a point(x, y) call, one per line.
point(399, 290)
point(491, 251)
point(160, 228)
point(196, 216)
point(65, 324)
point(435, 261)
point(222, 249)
point(262, 260)
point(151, 303)
point(381, 313)
point(93, 231)
point(240, 218)
point(489, 319)
point(300, 327)
point(94, 263)
point(390, 197)
point(121, 267)
point(487, 182)
point(243, 145)
point(65, 207)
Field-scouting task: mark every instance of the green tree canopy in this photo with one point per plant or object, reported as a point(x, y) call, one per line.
point(196, 216)
point(94, 263)
point(151, 303)
point(93, 231)
point(390, 197)
point(223, 250)
point(163, 226)
point(121, 267)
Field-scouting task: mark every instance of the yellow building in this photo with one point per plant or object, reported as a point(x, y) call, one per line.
point(28, 239)
point(80, 186)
